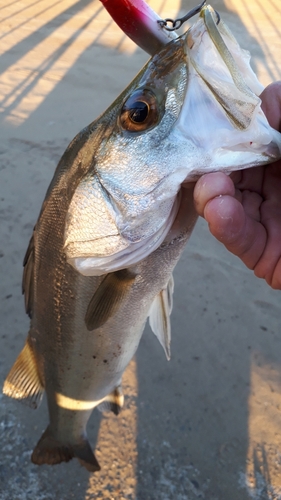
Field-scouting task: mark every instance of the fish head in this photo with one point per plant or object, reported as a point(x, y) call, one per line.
point(194, 108)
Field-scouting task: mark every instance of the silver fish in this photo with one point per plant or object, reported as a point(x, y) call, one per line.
point(115, 221)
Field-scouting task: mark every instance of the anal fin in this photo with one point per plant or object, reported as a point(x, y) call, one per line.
point(23, 381)
point(51, 451)
point(113, 402)
point(159, 316)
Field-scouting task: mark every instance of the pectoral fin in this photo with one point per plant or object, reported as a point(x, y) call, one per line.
point(108, 297)
point(159, 316)
point(113, 402)
point(23, 381)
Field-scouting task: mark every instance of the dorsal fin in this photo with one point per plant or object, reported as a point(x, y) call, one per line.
point(23, 381)
point(113, 402)
point(108, 298)
point(28, 276)
point(159, 316)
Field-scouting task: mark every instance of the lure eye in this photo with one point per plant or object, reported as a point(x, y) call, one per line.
point(139, 112)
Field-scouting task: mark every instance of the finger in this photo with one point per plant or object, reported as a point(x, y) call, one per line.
point(276, 276)
point(251, 179)
point(271, 104)
point(210, 186)
point(272, 183)
point(269, 266)
point(251, 202)
point(236, 176)
point(240, 234)
point(238, 195)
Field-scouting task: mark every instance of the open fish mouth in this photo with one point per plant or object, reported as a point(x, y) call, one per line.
point(222, 102)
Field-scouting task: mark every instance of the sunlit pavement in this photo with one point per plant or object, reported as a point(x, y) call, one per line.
point(206, 425)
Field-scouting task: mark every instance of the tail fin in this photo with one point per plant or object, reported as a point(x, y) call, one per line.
point(50, 451)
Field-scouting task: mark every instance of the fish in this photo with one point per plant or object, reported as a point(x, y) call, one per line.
point(115, 221)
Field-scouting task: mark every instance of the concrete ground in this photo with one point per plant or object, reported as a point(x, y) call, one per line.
point(207, 424)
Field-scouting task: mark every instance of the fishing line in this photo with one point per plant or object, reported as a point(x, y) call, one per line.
point(177, 23)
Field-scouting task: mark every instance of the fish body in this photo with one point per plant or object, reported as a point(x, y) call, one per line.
point(112, 227)
point(78, 367)
point(79, 352)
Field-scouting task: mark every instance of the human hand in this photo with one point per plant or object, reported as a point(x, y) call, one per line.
point(244, 210)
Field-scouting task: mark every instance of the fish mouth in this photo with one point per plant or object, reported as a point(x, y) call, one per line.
point(221, 119)
point(220, 72)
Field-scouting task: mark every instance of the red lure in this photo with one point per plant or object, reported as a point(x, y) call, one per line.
point(139, 22)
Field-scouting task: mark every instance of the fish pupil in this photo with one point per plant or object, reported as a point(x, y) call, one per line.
point(139, 112)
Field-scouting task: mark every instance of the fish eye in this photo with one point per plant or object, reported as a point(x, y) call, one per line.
point(139, 112)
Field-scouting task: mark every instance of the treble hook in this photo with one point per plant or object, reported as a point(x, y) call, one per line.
point(177, 23)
